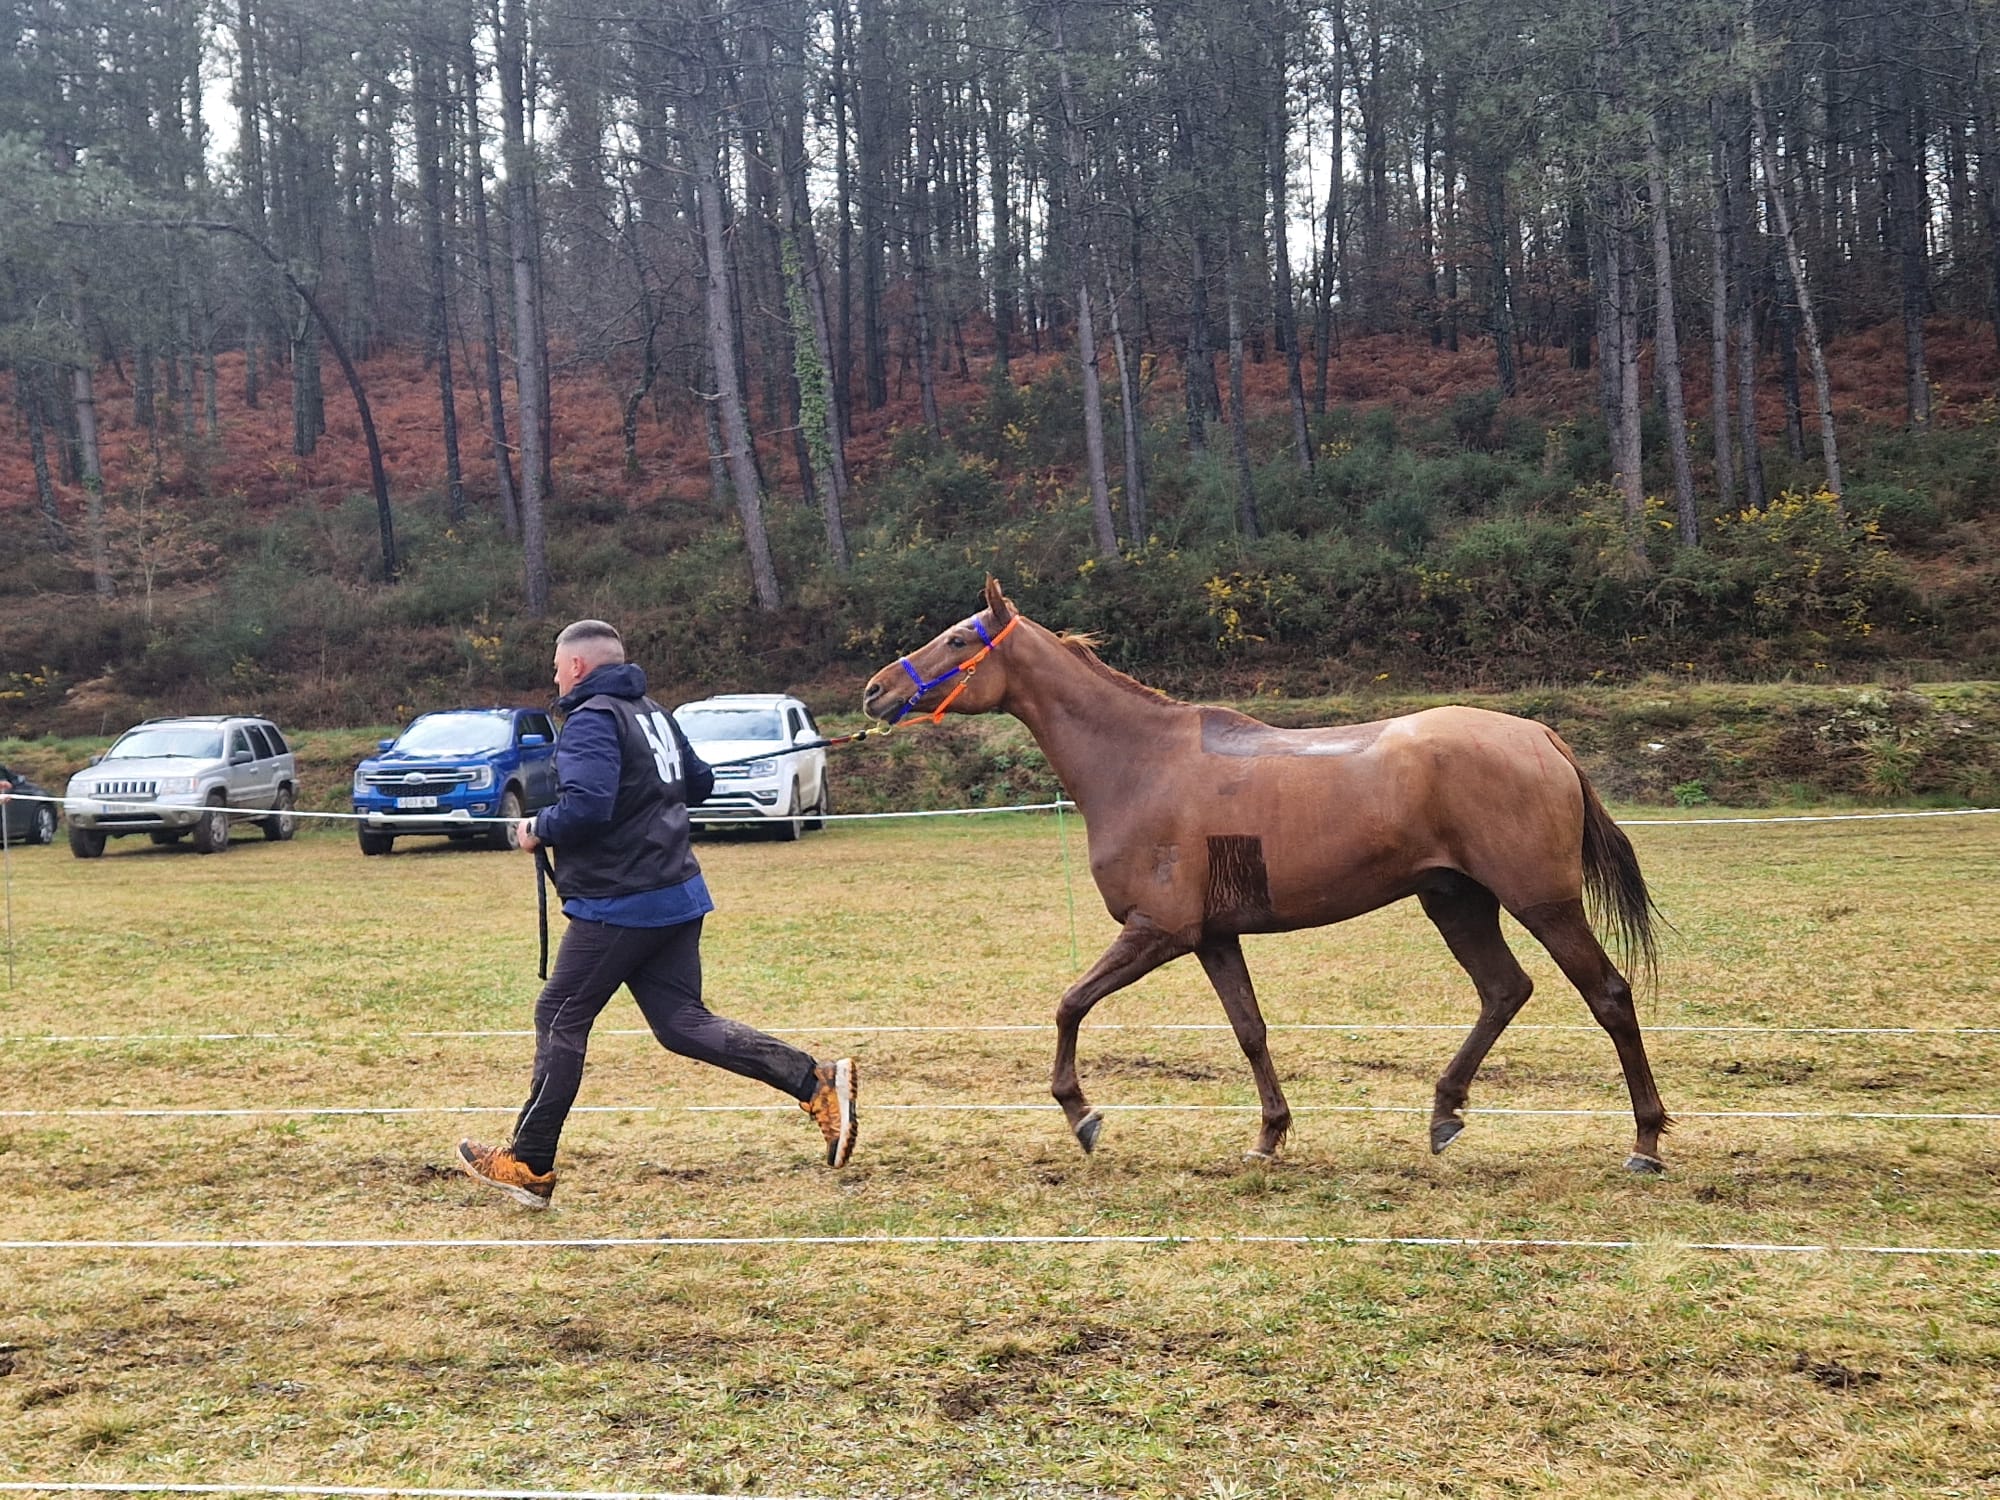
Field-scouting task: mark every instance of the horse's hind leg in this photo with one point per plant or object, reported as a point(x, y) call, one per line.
point(1134, 953)
point(1468, 917)
point(1562, 928)
point(1222, 959)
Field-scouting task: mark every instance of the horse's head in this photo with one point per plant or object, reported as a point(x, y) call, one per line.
point(958, 669)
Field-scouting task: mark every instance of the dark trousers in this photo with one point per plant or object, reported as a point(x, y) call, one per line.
point(662, 967)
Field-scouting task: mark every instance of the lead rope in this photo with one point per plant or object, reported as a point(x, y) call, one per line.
point(543, 875)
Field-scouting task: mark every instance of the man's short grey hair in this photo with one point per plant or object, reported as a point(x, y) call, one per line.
point(594, 640)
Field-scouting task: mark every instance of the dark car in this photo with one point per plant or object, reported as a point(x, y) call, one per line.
point(27, 822)
point(451, 767)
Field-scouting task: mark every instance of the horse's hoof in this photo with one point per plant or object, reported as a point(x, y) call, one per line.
point(1255, 1155)
point(1087, 1131)
point(1644, 1166)
point(1443, 1133)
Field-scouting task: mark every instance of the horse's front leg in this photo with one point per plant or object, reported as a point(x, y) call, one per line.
point(1222, 959)
point(1138, 950)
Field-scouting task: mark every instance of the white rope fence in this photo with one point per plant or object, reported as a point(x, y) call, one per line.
point(307, 1111)
point(431, 819)
point(356, 1038)
point(790, 1241)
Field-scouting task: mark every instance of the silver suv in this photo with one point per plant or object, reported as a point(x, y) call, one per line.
point(169, 778)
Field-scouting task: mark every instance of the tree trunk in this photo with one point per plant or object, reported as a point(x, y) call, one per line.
point(1718, 316)
point(843, 186)
point(1136, 523)
point(703, 150)
point(428, 105)
point(1197, 374)
point(489, 312)
point(812, 335)
point(1742, 191)
point(529, 372)
point(90, 465)
point(1103, 528)
point(1908, 190)
point(873, 147)
point(920, 284)
point(1815, 354)
point(1501, 313)
point(1287, 315)
point(1667, 344)
point(1005, 308)
point(1239, 418)
point(1988, 140)
point(28, 395)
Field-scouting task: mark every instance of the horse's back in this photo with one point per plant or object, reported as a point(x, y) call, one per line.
point(1352, 816)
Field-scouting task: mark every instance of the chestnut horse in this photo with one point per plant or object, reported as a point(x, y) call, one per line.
point(1205, 824)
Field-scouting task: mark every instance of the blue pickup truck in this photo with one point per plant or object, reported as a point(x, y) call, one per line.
point(452, 766)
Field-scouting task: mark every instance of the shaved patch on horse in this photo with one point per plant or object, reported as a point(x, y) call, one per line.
point(1239, 887)
point(1225, 732)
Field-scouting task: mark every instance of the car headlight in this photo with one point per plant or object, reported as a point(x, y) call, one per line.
point(360, 780)
point(168, 786)
point(481, 778)
point(761, 768)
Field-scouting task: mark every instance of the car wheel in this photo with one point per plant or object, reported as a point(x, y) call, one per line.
point(165, 836)
point(43, 830)
point(822, 807)
point(283, 822)
point(211, 829)
point(85, 843)
point(792, 826)
point(375, 843)
point(501, 835)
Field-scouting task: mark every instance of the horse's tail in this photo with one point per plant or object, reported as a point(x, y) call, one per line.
point(1612, 881)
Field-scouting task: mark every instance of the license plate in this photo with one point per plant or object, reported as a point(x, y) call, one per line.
point(416, 802)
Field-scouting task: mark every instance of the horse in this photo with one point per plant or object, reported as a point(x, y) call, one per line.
point(1205, 824)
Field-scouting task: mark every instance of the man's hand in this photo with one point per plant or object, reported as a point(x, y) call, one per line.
point(5, 788)
point(524, 835)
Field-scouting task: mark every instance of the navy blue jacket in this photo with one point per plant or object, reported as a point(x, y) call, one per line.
point(628, 777)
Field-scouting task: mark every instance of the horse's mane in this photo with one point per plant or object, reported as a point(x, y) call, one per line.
point(1082, 645)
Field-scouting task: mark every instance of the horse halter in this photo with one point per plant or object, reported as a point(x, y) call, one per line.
point(964, 669)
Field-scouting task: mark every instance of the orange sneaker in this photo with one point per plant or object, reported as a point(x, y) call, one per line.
point(832, 1108)
point(496, 1166)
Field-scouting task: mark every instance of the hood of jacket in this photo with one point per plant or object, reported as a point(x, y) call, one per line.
point(614, 680)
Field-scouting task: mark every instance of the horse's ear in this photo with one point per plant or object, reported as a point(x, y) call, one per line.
point(996, 601)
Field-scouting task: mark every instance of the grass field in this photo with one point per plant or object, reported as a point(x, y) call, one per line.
point(1196, 1369)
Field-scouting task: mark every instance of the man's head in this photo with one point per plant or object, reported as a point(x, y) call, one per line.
point(582, 648)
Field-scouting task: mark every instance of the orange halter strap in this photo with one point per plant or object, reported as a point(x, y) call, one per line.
point(963, 670)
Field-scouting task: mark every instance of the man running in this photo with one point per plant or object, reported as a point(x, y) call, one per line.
point(635, 900)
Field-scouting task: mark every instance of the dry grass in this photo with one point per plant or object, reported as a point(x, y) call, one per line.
point(1198, 1369)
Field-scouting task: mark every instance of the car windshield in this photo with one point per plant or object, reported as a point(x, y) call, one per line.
point(705, 723)
point(455, 734)
point(168, 742)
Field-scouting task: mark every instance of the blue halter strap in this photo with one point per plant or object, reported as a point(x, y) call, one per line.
point(937, 681)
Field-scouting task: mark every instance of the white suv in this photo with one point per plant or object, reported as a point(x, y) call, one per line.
point(168, 778)
point(773, 779)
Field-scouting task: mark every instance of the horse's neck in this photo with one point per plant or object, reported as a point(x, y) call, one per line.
point(1095, 731)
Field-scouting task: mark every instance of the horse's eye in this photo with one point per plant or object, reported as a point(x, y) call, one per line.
point(956, 642)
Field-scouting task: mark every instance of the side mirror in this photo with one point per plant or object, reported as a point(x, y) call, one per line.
point(385, 744)
point(804, 737)
point(240, 757)
point(529, 741)
point(97, 757)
